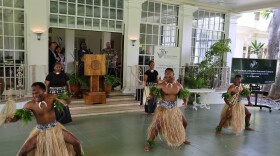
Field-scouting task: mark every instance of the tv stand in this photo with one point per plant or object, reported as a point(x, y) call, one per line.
point(256, 92)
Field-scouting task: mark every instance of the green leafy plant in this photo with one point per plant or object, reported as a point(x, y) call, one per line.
point(75, 78)
point(266, 14)
point(203, 75)
point(256, 47)
point(193, 82)
point(112, 80)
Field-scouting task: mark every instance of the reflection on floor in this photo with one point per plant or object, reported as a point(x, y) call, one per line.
point(125, 134)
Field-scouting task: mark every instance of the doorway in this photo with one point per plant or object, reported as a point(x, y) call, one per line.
point(95, 42)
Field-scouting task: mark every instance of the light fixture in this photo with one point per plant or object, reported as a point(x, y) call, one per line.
point(38, 33)
point(133, 41)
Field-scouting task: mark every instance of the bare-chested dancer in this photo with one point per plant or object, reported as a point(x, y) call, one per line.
point(48, 138)
point(234, 112)
point(168, 120)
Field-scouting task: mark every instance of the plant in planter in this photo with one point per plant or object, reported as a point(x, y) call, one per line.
point(110, 80)
point(76, 81)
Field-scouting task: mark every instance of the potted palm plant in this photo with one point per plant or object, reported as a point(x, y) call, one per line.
point(256, 48)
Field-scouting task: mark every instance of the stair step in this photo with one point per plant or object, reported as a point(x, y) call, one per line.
point(108, 100)
point(108, 105)
point(119, 93)
point(112, 110)
point(116, 103)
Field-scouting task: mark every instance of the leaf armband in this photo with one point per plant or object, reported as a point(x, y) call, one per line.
point(58, 105)
point(245, 92)
point(64, 95)
point(183, 94)
point(157, 92)
point(226, 96)
point(24, 115)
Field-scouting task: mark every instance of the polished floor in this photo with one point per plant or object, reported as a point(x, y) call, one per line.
point(125, 135)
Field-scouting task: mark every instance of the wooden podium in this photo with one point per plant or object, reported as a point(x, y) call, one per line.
point(94, 67)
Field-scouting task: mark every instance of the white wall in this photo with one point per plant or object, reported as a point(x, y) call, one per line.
point(37, 19)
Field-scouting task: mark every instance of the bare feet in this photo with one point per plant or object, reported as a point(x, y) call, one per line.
point(249, 129)
point(147, 148)
point(187, 142)
point(219, 133)
point(218, 130)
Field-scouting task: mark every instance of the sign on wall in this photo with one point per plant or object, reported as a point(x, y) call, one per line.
point(167, 57)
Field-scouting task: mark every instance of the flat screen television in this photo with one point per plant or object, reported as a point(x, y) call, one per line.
point(254, 71)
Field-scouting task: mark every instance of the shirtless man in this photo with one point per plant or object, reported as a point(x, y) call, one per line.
point(42, 107)
point(234, 111)
point(168, 119)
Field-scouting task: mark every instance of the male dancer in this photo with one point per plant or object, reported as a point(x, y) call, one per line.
point(168, 119)
point(48, 138)
point(234, 111)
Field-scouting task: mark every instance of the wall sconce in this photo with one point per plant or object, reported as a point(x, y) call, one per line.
point(133, 41)
point(38, 35)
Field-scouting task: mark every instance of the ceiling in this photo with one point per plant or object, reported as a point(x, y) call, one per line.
point(235, 5)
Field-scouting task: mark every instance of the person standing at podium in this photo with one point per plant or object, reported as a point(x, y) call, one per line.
point(83, 50)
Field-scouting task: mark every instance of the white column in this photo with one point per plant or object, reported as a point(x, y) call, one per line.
point(69, 50)
point(132, 19)
point(185, 32)
point(37, 20)
point(230, 32)
point(106, 37)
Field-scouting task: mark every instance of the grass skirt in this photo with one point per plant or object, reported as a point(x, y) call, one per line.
point(51, 142)
point(146, 93)
point(237, 120)
point(169, 124)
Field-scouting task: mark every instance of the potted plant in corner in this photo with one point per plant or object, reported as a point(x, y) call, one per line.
point(110, 80)
point(75, 79)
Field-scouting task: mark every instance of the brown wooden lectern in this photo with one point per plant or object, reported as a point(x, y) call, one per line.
point(94, 67)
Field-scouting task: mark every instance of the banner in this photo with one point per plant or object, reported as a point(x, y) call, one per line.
point(256, 71)
point(167, 57)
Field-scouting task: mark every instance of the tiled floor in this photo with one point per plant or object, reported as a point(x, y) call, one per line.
point(125, 134)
